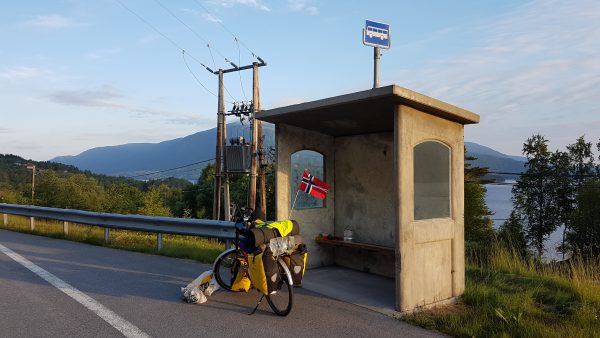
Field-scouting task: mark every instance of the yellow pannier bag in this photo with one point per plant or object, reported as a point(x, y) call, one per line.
point(241, 281)
point(264, 272)
point(257, 272)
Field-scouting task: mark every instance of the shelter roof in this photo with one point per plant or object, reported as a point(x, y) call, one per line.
point(364, 112)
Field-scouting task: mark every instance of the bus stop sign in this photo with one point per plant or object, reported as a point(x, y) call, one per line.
point(376, 34)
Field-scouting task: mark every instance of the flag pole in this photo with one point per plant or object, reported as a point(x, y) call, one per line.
point(293, 204)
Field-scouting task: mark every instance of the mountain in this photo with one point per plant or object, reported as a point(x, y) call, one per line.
point(134, 159)
point(495, 161)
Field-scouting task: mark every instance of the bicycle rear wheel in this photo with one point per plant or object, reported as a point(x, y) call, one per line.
point(281, 299)
point(226, 268)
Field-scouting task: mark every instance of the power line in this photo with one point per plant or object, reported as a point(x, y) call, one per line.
point(229, 31)
point(240, 73)
point(201, 38)
point(526, 174)
point(171, 169)
point(194, 74)
point(170, 40)
point(190, 29)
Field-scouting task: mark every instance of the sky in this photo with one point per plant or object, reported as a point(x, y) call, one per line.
point(78, 74)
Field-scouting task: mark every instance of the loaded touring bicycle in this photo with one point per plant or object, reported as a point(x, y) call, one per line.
point(268, 257)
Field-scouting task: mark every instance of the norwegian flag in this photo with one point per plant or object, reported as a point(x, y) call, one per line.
point(313, 186)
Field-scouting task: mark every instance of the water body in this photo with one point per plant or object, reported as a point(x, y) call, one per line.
point(498, 199)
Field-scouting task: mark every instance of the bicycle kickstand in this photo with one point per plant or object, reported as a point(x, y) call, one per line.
point(256, 307)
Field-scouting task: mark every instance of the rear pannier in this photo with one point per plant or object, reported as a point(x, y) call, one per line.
point(264, 272)
point(297, 263)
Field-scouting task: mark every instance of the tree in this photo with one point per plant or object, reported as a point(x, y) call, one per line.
point(512, 234)
point(562, 189)
point(8, 195)
point(154, 202)
point(584, 237)
point(76, 191)
point(124, 199)
point(572, 170)
point(479, 232)
point(205, 192)
point(581, 160)
point(533, 196)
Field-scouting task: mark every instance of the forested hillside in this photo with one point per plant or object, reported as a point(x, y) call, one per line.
point(64, 186)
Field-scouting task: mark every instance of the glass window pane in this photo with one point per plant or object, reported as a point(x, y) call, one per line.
point(315, 163)
point(431, 180)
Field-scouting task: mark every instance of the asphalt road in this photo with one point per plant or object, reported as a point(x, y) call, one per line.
point(144, 291)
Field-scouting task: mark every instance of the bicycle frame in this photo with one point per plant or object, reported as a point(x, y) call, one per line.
point(288, 274)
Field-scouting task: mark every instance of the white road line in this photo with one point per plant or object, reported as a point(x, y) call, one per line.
point(116, 321)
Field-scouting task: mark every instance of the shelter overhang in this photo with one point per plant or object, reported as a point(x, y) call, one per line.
point(369, 111)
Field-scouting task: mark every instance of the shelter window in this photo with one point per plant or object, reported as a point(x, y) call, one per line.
point(314, 162)
point(431, 180)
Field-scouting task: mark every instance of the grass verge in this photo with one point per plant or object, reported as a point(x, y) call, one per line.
point(506, 296)
point(196, 248)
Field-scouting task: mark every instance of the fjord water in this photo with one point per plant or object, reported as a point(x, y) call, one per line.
point(498, 199)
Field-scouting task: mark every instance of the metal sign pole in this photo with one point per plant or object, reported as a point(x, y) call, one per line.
point(376, 35)
point(376, 56)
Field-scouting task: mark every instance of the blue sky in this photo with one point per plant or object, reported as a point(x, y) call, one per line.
point(80, 74)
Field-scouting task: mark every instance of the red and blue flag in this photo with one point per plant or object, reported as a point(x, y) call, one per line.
point(313, 186)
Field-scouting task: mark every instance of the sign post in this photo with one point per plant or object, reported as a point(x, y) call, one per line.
point(377, 35)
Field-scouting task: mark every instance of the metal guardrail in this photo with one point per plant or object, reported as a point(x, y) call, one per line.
point(160, 225)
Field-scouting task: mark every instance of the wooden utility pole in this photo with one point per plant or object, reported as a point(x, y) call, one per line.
point(219, 150)
point(32, 167)
point(255, 109)
point(220, 158)
point(226, 199)
point(261, 169)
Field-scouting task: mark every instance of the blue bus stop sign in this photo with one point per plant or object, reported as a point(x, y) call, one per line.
point(376, 34)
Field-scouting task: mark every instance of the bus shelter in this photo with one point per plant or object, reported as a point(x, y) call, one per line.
point(394, 161)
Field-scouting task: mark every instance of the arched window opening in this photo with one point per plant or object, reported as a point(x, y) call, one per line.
point(314, 162)
point(431, 180)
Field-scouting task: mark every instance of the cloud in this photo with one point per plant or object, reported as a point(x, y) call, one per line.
point(211, 18)
point(5, 130)
point(20, 73)
point(303, 6)
point(288, 101)
point(248, 3)
point(535, 67)
point(107, 97)
point(102, 54)
point(206, 16)
point(53, 21)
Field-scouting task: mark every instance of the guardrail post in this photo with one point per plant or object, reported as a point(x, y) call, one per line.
point(227, 244)
point(32, 223)
point(66, 228)
point(159, 241)
point(5, 219)
point(106, 235)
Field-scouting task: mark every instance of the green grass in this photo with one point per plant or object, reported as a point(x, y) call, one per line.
point(506, 296)
point(196, 248)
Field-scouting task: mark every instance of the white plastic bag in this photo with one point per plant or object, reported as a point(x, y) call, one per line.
point(196, 291)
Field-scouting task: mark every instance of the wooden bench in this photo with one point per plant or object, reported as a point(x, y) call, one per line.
point(368, 247)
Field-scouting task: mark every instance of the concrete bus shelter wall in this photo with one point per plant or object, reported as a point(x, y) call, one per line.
point(364, 171)
point(364, 176)
point(368, 141)
point(431, 267)
point(314, 221)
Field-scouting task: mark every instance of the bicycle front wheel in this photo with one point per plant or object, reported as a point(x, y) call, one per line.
point(280, 300)
point(226, 268)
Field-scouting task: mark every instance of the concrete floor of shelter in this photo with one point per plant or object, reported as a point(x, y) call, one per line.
point(367, 290)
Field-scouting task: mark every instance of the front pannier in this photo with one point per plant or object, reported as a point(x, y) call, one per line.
point(241, 281)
